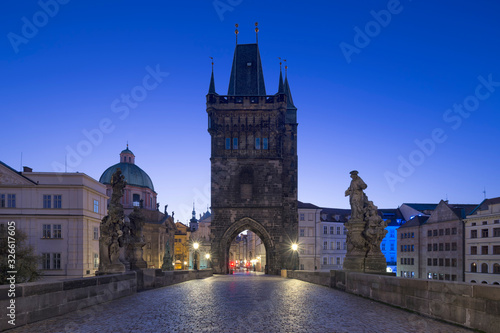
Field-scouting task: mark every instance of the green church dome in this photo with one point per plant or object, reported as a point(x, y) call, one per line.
point(132, 173)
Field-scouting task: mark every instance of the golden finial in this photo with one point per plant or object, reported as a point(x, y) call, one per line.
point(212, 63)
point(286, 67)
point(257, 32)
point(236, 32)
point(280, 62)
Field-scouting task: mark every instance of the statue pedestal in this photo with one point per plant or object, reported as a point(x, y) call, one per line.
point(356, 248)
point(375, 263)
point(116, 268)
point(135, 258)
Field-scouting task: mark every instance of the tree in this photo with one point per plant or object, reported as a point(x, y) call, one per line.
point(26, 262)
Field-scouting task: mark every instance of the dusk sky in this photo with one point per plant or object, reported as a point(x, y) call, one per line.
point(407, 93)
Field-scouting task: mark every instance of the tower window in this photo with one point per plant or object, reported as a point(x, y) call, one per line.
point(228, 143)
point(257, 143)
point(136, 199)
point(235, 143)
point(265, 144)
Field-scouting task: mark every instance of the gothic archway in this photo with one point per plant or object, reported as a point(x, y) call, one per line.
point(236, 228)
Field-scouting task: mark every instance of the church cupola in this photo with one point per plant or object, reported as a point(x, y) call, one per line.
point(127, 156)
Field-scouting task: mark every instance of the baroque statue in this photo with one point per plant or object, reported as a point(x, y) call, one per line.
point(365, 231)
point(111, 238)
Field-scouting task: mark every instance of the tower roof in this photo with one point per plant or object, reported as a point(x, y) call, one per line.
point(247, 78)
point(288, 93)
point(211, 88)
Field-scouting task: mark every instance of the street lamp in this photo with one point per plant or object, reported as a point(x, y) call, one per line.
point(195, 246)
point(295, 247)
point(207, 256)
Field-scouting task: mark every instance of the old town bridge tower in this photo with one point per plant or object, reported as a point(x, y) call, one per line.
point(253, 163)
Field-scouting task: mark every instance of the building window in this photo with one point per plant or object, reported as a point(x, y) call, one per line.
point(484, 249)
point(45, 260)
point(454, 231)
point(434, 232)
point(429, 233)
point(56, 231)
point(429, 262)
point(441, 232)
point(325, 230)
point(473, 250)
point(47, 201)
point(454, 262)
point(473, 267)
point(413, 248)
point(331, 230)
point(496, 269)
point(345, 231)
point(484, 268)
point(56, 261)
point(46, 231)
point(96, 206)
point(265, 143)
point(96, 261)
point(496, 249)
point(434, 262)
point(302, 232)
point(447, 262)
point(302, 216)
point(228, 143)
point(454, 246)
point(136, 200)
point(235, 143)
point(338, 245)
point(257, 143)
point(441, 247)
point(447, 247)
point(325, 245)
point(447, 231)
point(484, 233)
point(57, 201)
point(11, 200)
point(473, 234)
point(496, 232)
point(435, 247)
point(496, 222)
point(392, 246)
point(382, 246)
point(345, 246)
point(338, 261)
point(96, 233)
point(485, 222)
point(441, 262)
point(325, 262)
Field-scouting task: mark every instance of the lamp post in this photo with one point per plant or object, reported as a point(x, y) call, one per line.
point(207, 256)
point(196, 246)
point(295, 247)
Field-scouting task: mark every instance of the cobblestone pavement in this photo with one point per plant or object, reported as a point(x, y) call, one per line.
point(241, 303)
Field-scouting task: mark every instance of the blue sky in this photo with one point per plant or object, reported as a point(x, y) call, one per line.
point(411, 101)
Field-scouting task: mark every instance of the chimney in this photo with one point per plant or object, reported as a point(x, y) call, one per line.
point(27, 169)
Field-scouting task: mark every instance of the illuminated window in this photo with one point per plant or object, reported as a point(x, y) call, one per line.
point(265, 144)
point(228, 143)
point(257, 143)
point(235, 143)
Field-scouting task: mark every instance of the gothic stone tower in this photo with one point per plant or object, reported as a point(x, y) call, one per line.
point(253, 163)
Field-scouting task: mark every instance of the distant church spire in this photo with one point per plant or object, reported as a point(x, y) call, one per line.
point(194, 212)
point(288, 92)
point(211, 88)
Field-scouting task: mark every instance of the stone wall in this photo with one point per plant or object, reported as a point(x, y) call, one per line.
point(43, 300)
point(475, 306)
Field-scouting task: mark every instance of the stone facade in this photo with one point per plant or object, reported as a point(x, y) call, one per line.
point(253, 163)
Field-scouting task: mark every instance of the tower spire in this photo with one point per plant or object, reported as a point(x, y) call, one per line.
point(211, 88)
point(257, 32)
point(236, 32)
point(281, 89)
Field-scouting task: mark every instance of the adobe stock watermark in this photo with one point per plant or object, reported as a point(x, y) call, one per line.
point(372, 29)
point(30, 28)
point(120, 106)
point(454, 118)
point(222, 6)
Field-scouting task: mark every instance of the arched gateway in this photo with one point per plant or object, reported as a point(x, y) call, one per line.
point(253, 163)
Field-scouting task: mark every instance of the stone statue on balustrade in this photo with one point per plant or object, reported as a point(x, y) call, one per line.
point(168, 258)
point(136, 241)
point(365, 231)
point(111, 235)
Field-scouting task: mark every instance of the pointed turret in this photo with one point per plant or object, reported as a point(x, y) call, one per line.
point(288, 94)
point(281, 89)
point(211, 88)
point(247, 78)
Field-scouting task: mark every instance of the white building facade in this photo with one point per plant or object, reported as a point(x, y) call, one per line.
point(60, 214)
point(482, 243)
